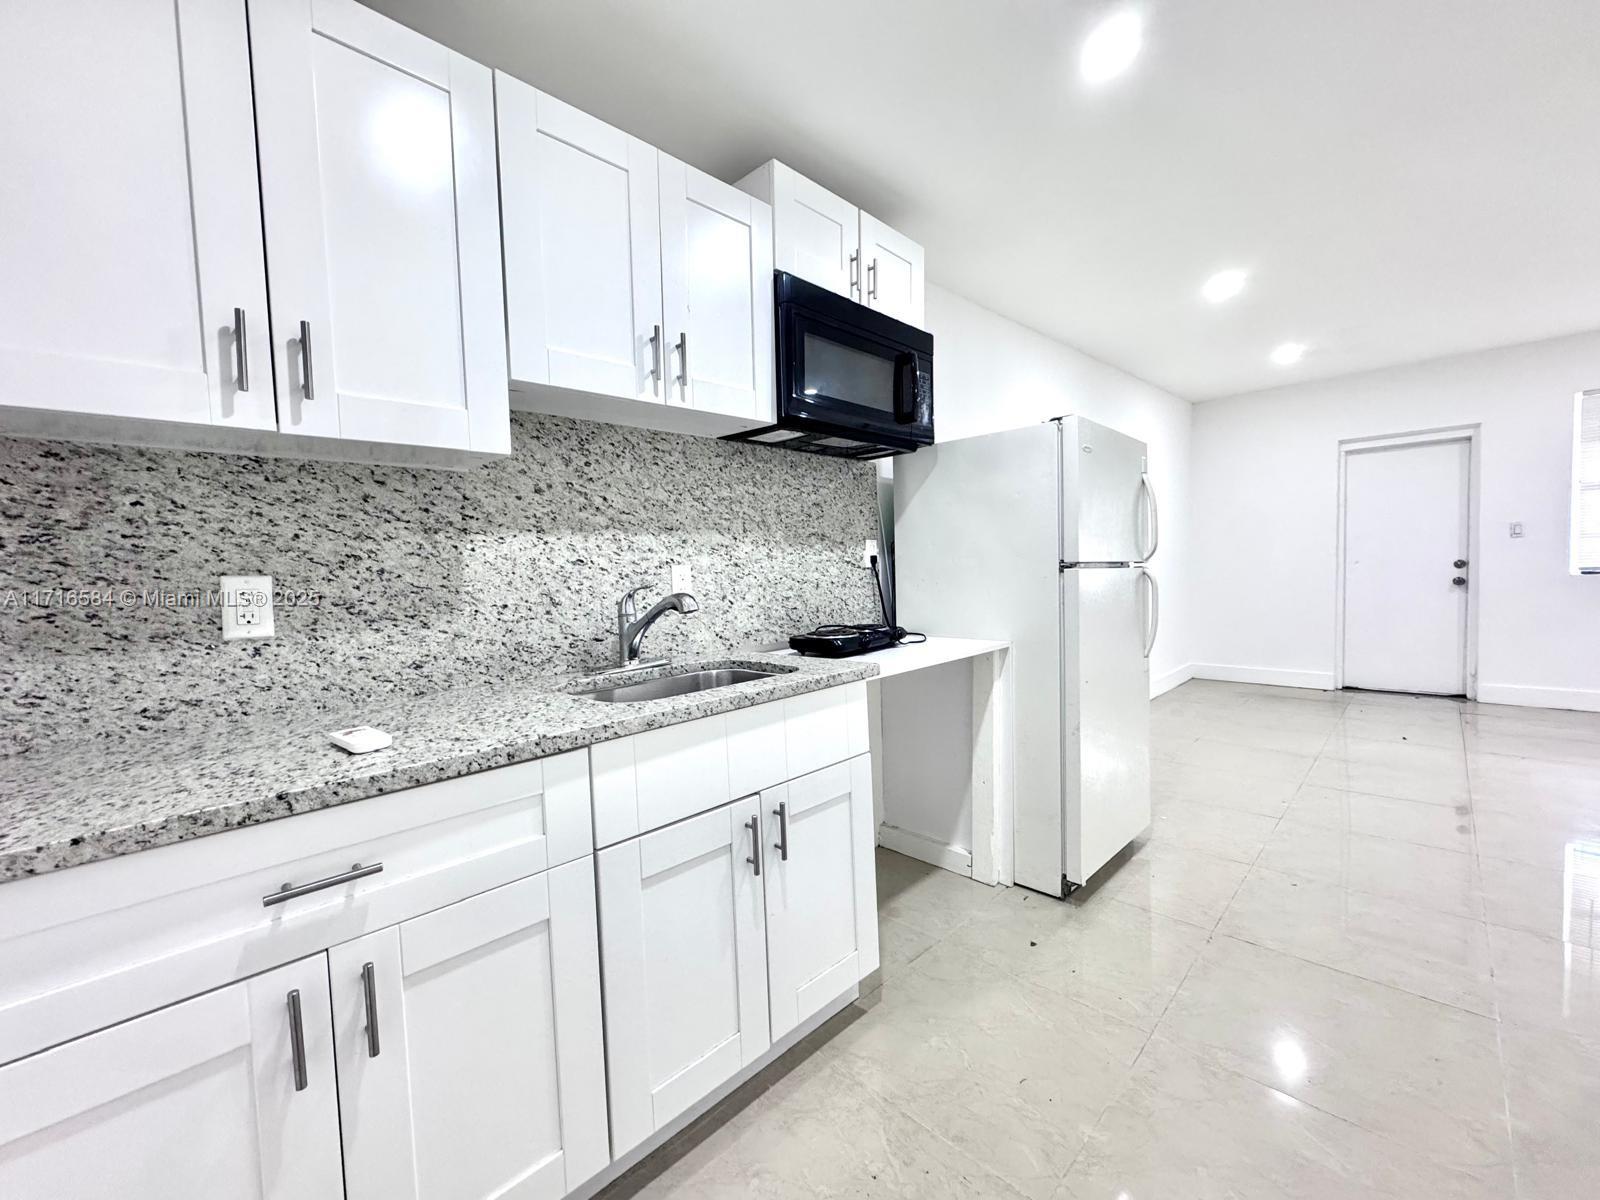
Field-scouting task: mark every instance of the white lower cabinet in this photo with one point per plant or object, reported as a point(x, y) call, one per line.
point(229, 1094)
point(684, 951)
point(820, 887)
point(470, 1054)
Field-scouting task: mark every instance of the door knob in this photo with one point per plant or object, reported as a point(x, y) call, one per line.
point(1459, 563)
point(1460, 581)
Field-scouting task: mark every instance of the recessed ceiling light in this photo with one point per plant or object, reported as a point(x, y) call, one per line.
point(1111, 47)
point(1288, 354)
point(1224, 285)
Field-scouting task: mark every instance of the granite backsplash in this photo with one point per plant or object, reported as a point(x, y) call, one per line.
point(416, 580)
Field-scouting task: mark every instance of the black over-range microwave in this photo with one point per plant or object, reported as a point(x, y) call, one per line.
point(852, 382)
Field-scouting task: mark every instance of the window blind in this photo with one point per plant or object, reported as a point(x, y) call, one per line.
point(1586, 485)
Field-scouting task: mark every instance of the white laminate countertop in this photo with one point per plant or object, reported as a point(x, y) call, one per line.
point(915, 656)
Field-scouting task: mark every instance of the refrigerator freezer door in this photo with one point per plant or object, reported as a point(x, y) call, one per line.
point(1104, 508)
point(1106, 716)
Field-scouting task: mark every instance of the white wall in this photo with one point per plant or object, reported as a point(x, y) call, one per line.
point(1266, 498)
point(992, 374)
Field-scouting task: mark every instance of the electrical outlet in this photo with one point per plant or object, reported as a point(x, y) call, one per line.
point(869, 551)
point(1516, 529)
point(682, 578)
point(246, 607)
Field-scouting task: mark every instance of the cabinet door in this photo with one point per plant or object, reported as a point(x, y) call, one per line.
point(816, 235)
point(683, 945)
point(892, 271)
point(822, 910)
point(383, 235)
point(716, 281)
point(471, 1060)
point(583, 248)
point(199, 1099)
point(130, 223)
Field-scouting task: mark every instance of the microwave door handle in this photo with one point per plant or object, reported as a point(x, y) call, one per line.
point(905, 398)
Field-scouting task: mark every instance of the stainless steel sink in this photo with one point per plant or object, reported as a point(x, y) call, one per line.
point(676, 685)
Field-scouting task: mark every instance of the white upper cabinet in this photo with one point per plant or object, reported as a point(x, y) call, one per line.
point(130, 226)
point(382, 229)
point(828, 241)
point(822, 904)
point(716, 280)
point(816, 235)
point(891, 271)
point(470, 1046)
point(229, 1094)
point(582, 249)
point(684, 957)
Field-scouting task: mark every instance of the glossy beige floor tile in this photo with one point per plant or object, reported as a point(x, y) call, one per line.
point(1396, 1064)
point(1401, 780)
point(1431, 954)
point(1225, 789)
point(1111, 956)
point(1553, 1096)
point(1188, 1130)
point(1175, 881)
point(1425, 876)
point(1546, 983)
point(1211, 828)
point(1243, 760)
point(1441, 826)
point(1533, 837)
point(1011, 1073)
point(1560, 902)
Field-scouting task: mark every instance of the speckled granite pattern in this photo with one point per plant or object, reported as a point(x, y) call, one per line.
point(430, 580)
point(61, 811)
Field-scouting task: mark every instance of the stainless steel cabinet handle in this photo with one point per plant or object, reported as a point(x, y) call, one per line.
point(782, 844)
point(1155, 516)
point(297, 1040)
point(291, 891)
point(307, 388)
point(683, 362)
point(655, 358)
point(754, 826)
point(369, 990)
point(872, 280)
point(855, 272)
point(241, 352)
point(1155, 612)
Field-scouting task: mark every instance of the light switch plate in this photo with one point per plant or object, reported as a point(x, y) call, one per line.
point(246, 607)
point(681, 578)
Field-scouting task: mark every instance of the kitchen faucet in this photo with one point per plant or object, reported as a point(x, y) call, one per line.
point(631, 627)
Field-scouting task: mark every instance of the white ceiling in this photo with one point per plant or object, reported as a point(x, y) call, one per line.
point(1403, 178)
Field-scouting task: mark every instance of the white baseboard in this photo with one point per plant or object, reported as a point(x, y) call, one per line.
point(1579, 699)
point(1173, 678)
point(1274, 676)
point(925, 849)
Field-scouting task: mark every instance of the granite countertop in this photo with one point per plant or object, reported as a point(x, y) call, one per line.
point(63, 805)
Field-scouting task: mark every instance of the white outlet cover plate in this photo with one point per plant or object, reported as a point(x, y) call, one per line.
point(246, 607)
point(682, 579)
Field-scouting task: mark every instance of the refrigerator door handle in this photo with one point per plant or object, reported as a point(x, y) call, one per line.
point(1155, 516)
point(1153, 621)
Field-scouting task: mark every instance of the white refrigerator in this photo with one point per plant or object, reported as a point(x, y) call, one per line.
point(1041, 536)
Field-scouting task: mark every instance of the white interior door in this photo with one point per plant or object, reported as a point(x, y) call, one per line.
point(822, 910)
point(582, 247)
point(382, 217)
point(1107, 617)
point(199, 1099)
point(817, 235)
point(683, 944)
point(486, 1074)
point(130, 220)
point(1406, 527)
point(716, 283)
point(891, 271)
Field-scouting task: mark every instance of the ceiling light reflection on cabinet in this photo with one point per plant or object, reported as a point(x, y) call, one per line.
point(1288, 354)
